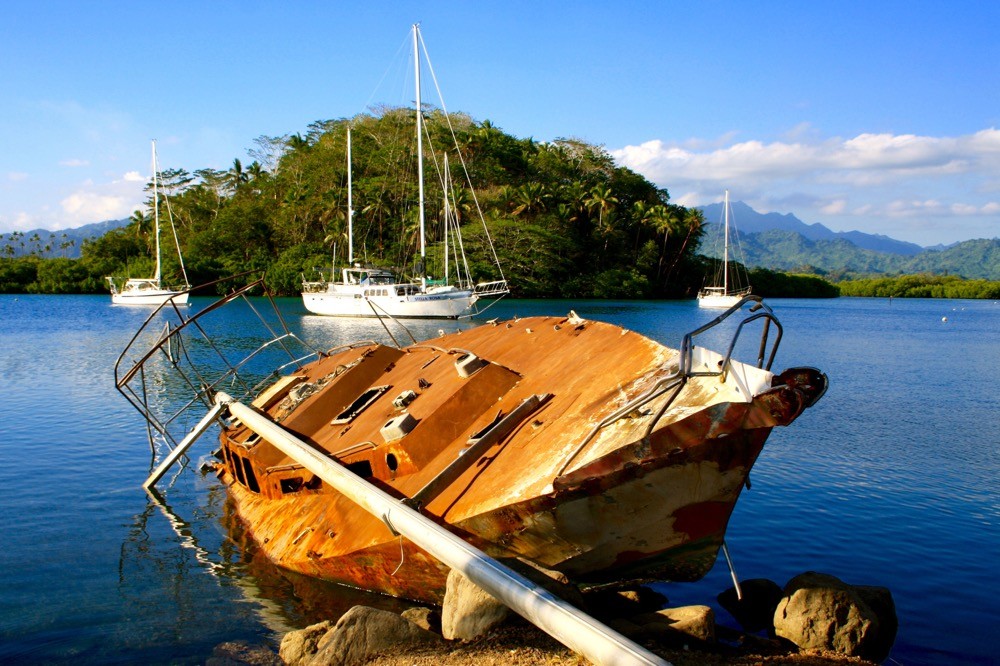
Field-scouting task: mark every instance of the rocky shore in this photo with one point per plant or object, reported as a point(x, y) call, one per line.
point(813, 619)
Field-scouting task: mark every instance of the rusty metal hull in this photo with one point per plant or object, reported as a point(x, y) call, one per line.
point(572, 445)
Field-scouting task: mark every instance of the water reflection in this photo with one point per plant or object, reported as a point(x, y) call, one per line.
point(212, 548)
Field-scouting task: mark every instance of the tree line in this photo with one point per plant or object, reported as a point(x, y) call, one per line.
point(565, 220)
point(921, 286)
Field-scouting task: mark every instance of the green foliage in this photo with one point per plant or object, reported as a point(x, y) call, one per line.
point(60, 276)
point(620, 283)
point(17, 274)
point(921, 286)
point(565, 220)
point(769, 283)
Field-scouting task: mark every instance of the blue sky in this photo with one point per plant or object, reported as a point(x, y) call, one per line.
point(882, 117)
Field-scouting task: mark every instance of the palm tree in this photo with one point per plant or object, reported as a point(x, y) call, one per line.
point(530, 199)
point(601, 199)
point(236, 176)
point(138, 219)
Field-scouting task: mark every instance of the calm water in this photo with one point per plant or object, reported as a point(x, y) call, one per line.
point(890, 480)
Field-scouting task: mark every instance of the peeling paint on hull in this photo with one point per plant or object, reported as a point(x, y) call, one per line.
point(647, 495)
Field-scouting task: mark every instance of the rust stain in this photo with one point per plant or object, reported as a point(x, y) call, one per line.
point(624, 503)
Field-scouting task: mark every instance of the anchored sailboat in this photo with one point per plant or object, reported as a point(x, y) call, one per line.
point(150, 291)
point(724, 295)
point(376, 292)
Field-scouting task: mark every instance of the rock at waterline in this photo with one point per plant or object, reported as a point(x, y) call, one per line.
point(297, 647)
point(360, 634)
point(755, 611)
point(819, 611)
point(680, 624)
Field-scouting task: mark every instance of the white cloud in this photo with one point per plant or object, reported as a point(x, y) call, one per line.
point(866, 178)
point(82, 206)
point(134, 177)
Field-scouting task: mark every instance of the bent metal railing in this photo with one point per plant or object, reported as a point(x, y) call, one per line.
point(175, 351)
point(675, 381)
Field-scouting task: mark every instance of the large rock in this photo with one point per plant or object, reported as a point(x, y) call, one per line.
point(681, 623)
point(819, 611)
point(298, 647)
point(755, 611)
point(364, 632)
point(468, 610)
point(879, 599)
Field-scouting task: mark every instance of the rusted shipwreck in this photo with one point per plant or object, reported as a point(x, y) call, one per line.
point(572, 445)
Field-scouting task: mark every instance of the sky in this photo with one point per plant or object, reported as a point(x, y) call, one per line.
point(881, 117)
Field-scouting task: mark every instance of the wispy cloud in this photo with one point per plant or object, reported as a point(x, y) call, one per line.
point(868, 176)
point(74, 163)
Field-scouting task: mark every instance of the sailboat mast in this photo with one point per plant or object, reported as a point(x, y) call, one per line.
point(156, 214)
point(350, 206)
point(447, 215)
point(725, 250)
point(420, 150)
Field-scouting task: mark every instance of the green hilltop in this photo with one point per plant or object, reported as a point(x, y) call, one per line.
point(564, 219)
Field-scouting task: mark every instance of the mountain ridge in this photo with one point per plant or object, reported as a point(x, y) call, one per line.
point(783, 242)
point(61, 243)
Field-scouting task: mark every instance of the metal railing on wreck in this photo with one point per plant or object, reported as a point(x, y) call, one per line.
point(675, 382)
point(166, 341)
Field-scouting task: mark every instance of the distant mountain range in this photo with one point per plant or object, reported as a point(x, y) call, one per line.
point(49, 244)
point(776, 241)
point(785, 243)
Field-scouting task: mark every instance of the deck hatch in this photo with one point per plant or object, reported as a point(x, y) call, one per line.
point(360, 404)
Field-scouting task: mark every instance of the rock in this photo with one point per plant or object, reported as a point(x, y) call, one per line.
point(755, 611)
point(241, 653)
point(425, 618)
point(819, 611)
point(468, 610)
point(364, 632)
point(687, 622)
point(298, 647)
point(609, 604)
point(627, 628)
point(879, 599)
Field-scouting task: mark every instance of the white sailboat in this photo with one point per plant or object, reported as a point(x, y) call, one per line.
point(724, 295)
point(150, 291)
point(375, 292)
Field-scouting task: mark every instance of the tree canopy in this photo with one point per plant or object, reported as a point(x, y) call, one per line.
point(564, 219)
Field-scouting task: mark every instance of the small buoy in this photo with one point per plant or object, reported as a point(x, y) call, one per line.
point(944, 319)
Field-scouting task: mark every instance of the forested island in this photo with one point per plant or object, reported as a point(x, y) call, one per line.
point(565, 221)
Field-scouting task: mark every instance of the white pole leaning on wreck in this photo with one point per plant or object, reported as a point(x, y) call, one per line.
point(567, 624)
point(184, 445)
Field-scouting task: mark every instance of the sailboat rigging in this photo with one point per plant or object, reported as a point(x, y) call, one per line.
point(375, 292)
point(730, 291)
point(150, 291)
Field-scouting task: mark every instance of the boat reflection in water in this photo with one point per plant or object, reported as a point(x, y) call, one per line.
point(281, 600)
point(576, 446)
